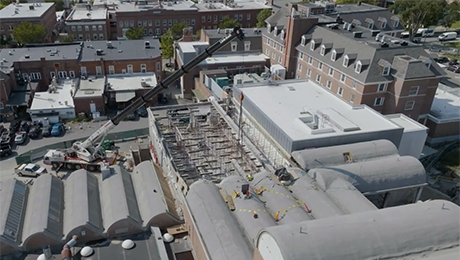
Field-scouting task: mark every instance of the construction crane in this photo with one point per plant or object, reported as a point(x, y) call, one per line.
point(89, 154)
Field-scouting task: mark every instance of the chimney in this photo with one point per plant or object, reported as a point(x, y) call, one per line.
point(187, 34)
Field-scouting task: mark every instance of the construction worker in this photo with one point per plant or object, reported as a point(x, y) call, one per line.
point(250, 177)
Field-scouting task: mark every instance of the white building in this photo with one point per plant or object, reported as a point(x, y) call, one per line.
point(55, 104)
point(299, 114)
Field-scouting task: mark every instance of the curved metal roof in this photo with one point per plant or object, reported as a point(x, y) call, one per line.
point(13, 199)
point(334, 155)
point(390, 233)
point(220, 232)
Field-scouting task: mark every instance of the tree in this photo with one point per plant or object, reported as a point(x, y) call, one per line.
point(135, 33)
point(176, 30)
point(452, 14)
point(167, 48)
point(371, 2)
point(229, 23)
point(415, 14)
point(27, 32)
point(262, 16)
point(58, 4)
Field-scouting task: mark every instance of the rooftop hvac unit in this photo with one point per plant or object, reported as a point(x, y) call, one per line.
point(109, 45)
point(147, 44)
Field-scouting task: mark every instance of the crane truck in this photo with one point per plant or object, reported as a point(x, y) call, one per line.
point(89, 154)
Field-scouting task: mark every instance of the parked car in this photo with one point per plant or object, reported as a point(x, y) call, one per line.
point(441, 59)
point(46, 131)
point(20, 137)
point(35, 131)
point(14, 127)
point(447, 36)
point(24, 126)
point(30, 169)
point(142, 111)
point(57, 129)
point(453, 62)
point(454, 68)
point(5, 150)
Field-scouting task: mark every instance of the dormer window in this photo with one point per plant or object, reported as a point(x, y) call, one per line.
point(334, 55)
point(358, 67)
point(312, 45)
point(303, 41)
point(371, 25)
point(346, 61)
point(269, 28)
point(396, 23)
point(282, 34)
point(276, 31)
point(323, 50)
point(384, 25)
point(386, 70)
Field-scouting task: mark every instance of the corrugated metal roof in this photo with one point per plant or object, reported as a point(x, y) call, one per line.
point(13, 196)
point(55, 209)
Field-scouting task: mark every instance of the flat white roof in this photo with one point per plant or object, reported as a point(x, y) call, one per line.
point(238, 4)
point(188, 47)
point(178, 5)
point(80, 13)
point(123, 82)
point(61, 98)
point(24, 10)
point(235, 58)
point(92, 87)
point(293, 104)
point(406, 122)
point(445, 107)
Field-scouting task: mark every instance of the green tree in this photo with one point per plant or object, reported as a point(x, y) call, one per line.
point(262, 16)
point(197, 35)
point(229, 23)
point(58, 4)
point(167, 48)
point(135, 33)
point(416, 14)
point(177, 30)
point(371, 2)
point(27, 32)
point(452, 14)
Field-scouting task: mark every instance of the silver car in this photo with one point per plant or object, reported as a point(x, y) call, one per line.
point(20, 137)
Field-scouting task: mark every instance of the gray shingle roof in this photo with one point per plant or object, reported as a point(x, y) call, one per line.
point(53, 52)
point(365, 48)
point(407, 67)
point(13, 199)
point(121, 50)
point(366, 16)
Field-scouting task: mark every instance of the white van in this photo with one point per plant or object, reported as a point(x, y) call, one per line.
point(426, 32)
point(447, 36)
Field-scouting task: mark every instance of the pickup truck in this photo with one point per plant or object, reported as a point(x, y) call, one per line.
point(30, 169)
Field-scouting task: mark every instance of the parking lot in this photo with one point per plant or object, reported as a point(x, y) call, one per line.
point(74, 131)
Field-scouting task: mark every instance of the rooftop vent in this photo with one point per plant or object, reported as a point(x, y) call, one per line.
point(31, 7)
point(147, 44)
point(99, 52)
point(109, 45)
point(27, 56)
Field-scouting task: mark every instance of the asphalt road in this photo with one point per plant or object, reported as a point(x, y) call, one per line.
point(78, 130)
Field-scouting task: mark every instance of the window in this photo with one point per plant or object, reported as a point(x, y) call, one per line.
point(169, 22)
point(25, 76)
point(74, 29)
point(120, 24)
point(158, 31)
point(150, 22)
point(303, 41)
point(334, 55)
point(308, 72)
point(123, 71)
point(215, 18)
point(382, 87)
point(165, 22)
point(358, 67)
point(62, 74)
point(35, 76)
point(72, 74)
point(409, 105)
point(331, 71)
point(345, 61)
point(193, 22)
point(240, 17)
point(139, 23)
point(79, 28)
point(328, 84)
point(101, 36)
point(371, 25)
point(273, 55)
point(80, 37)
point(279, 59)
point(221, 18)
point(98, 70)
point(386, 70)
point(320, 66)
point(413, 91)
point(267, 52)
point(209, 18)
point(299, 67)
point(310, 60)
point(247, 46)
point(144, 23)
point(94, 27)
point(83, 71)
point(353, 85)
point(234, 46)
point(342, 77)
point(157, 22)
point(95, 36)
point(86, 28)
point(396, 23)
point(158, 66)
point(300, 55)
point(318, 78)
point(323, 50)
point(340, 91)
point(352, 98)
point(52, 74)
point(150, 31)
point(248, 17)
point(111, 70)
point(384, 24)
point(130, 68)
point(203, 18)
point(88, 37)
point(379, 101)
point(312, 45)
point(143, 68)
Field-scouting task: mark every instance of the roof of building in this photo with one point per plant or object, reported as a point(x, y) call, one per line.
point(118, 198)
point(91, 87)
point(220, 33)
point(45, 208)
point(49, 52)
point(156, 208)
point(24, 10)
point(235, 58)
point(292, 104)
point(406, 62)
point(391, 233)
point(219, 231)
point(82, 203)
point(13, 199)
point(233, 5)
point(445, 107)
point(387, 173)
point(61, 98)
point(406, 122)
point(334, 155)
point(245, 208)
point(121, 50)
point(127, 6)
point(123, 82)
point(82, 13)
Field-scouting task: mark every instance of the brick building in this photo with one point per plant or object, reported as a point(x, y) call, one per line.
point(361, 64)
point(88, 23)
point(238, 56)
point(36, 13)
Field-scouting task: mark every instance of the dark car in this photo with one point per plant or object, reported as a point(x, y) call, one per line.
point(46, 131)
point(142, 111)
point(441, 59)
point(14, 127)
point(35, 131)
point(454, 68)
point(5, 150)
point(24, 126)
